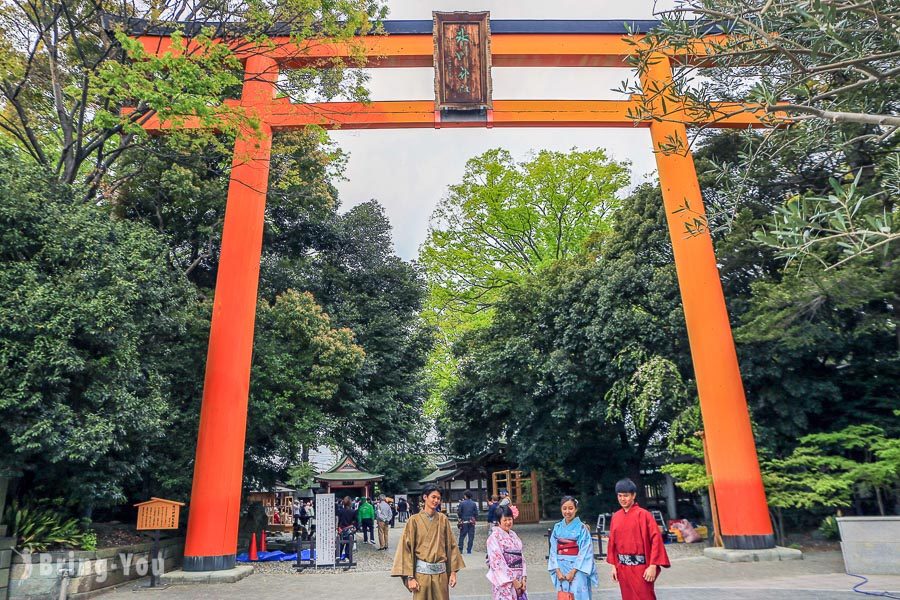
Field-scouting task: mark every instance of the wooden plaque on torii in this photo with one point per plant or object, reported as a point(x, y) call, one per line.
point(462, 61)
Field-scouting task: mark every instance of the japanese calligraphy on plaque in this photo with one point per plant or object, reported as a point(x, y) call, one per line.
point(158, 513)
point(462, 61)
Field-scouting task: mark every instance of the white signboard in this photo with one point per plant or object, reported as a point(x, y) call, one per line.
point(326, 530)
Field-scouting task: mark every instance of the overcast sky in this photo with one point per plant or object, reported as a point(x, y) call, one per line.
point(408, 171)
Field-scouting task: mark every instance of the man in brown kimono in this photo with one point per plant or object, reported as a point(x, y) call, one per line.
point(427, 556)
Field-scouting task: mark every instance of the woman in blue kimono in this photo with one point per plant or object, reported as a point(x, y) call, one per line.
point(571, 563)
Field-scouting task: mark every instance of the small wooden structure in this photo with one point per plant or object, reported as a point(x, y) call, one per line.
point(523, 492)
point(456, 475)
point(347, 479)
point(158, 513)
point(485, 476)
point(281, 498)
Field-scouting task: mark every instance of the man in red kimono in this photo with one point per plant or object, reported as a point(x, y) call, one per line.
point(635, 549)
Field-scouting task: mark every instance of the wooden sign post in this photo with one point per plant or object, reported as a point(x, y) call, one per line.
point(156, 514)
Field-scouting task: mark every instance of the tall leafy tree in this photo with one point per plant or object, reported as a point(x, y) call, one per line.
point(364, 286)
point(345, 260)
point(182, 195)
point(504, 222)
point(300, 361)
point(585, 366)
point(91, 316)
point(67, 67)
point(817, 344)
point(826, 73)
point(799, 60)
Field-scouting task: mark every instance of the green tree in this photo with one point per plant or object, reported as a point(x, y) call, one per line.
point(806, 60)
point(364, 286)
point(300, 361)
point(834, 470)
point(345, 260)
point(583, 367)
point(506, 221)
point(828, 70)
point(401, 463)
point(688, 470)
point(817, 346)
point(67, 68)
point(819, 351)
point(91, 312)
point(182, 195)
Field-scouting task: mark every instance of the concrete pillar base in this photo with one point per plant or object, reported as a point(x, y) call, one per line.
point(777, 553)
point(193, 577)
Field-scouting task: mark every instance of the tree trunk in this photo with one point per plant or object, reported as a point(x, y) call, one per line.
point(880, 501)
point(707, 511)
point(781, 526)
point(634, 473)
point(778, 518)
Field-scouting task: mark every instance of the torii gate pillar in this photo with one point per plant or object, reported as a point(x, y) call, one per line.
point(742, 508)
point(215, 506)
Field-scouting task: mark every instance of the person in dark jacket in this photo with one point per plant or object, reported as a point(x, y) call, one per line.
point(346, 521)
point(492, 511)
point(403, 509)
point(467, 511)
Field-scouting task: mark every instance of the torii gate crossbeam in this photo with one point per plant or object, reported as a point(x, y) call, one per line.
point(215, 500)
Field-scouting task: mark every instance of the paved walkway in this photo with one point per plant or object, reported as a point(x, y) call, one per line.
point(820, 576)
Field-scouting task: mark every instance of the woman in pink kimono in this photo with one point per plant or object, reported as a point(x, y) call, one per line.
point(506, 565)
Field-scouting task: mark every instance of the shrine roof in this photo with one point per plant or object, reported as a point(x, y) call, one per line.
point(439, 475)
point(347, 470)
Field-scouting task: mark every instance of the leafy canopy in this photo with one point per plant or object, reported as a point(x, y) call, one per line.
point(504, 222)
point(587, 361)
point(68, 67)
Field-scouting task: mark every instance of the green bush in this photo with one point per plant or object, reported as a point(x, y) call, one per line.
point(89, 540)
point(37, 529)
point(829, 528)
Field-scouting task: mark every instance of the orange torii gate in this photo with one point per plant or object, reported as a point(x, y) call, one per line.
point(215, 500)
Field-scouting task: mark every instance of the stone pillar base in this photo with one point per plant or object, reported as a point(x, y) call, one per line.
point(767, 554)
point(194, 577)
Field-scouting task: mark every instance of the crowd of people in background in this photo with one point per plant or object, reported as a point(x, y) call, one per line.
point(353, 515)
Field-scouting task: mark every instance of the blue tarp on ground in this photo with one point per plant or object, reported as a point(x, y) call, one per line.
point(307, 555)
point(274, 556)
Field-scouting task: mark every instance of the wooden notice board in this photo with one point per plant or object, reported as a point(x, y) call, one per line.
point(158, 513)
point(462, 61)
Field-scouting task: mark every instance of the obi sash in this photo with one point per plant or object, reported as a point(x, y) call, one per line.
point(513, 559)
point(566, 547)
point(427, 568)
point(632, 560)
